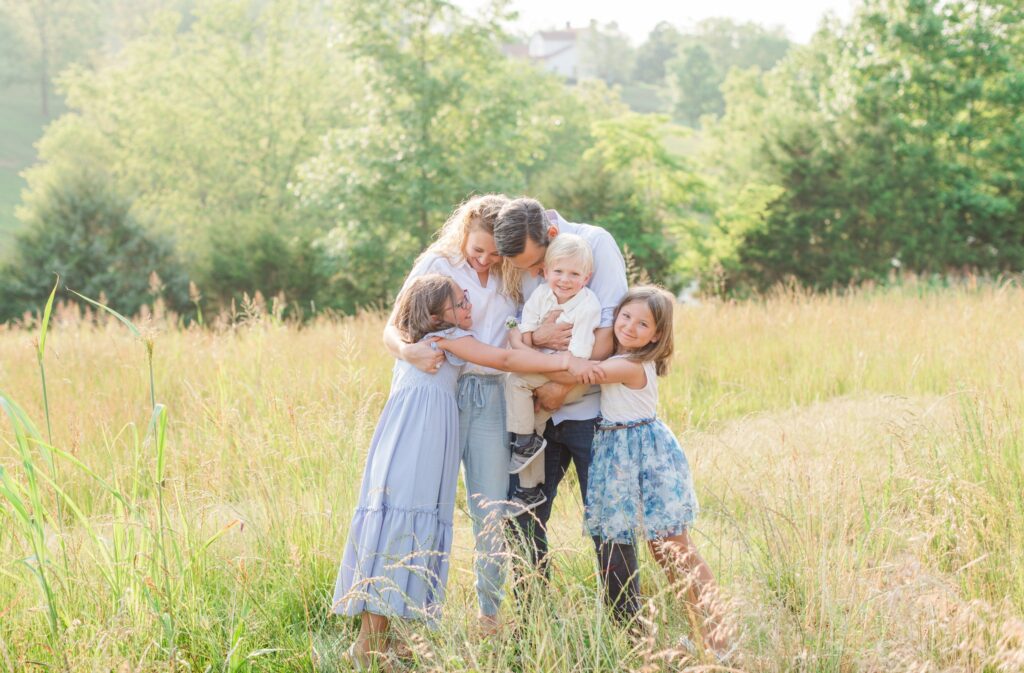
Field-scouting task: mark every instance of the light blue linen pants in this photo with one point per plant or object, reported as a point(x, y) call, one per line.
point(483, 442)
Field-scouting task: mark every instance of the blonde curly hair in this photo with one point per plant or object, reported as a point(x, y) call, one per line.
point(477, 213)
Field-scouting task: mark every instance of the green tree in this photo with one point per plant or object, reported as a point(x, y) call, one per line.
point(605, 53)
point(83, 230)
point(893, 142)
point(443, 115)
point(630, 183)
point(661, 46)
point(42, 37)
point(731, 44)
point(693, 85)
point(206, 126)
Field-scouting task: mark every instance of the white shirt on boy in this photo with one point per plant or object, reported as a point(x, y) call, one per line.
point(608, 282)
point(583, 311)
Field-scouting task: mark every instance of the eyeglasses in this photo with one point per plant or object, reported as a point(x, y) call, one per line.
point(465, 303)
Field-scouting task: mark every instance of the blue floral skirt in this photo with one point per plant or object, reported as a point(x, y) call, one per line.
point(639, 483)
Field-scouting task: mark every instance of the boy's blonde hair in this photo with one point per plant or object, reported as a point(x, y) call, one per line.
point(660, 303)
point(570, 246)
point(420, 308)
point(477, 213)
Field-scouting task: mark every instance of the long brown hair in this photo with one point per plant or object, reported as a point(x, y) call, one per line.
point(660, 303)
point(478, 213)
point(419, 308)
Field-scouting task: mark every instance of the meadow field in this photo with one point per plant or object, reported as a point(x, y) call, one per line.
point(858, 458)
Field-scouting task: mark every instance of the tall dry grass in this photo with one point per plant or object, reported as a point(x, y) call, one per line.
point(858, 459)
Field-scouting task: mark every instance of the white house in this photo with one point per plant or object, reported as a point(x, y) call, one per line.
point(556, 51)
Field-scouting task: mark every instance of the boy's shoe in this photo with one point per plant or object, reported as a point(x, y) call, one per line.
point(525, 499)
point(525, 449)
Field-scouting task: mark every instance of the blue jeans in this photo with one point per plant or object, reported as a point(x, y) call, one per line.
point(485, 456)
point(570, 442)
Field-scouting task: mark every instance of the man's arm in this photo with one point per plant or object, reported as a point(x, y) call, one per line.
point(551, 396)
point(551, 334)
point(603, 344)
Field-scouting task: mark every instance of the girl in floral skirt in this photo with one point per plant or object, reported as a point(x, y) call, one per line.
point(640, 481)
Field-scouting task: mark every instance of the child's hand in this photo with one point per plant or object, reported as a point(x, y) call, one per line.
point(585, 371)
point(596, 375)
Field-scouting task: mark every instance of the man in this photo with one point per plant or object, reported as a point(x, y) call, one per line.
point(522, 232)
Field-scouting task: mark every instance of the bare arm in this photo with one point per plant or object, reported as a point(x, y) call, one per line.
point(515, 360)
point(603, 344)
point(624, 371)
point(551, 334)
point(551, 395)
point(517, 339)
point(420, 355)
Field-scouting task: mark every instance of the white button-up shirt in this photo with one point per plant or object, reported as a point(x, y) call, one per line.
point(491, 308)
point(583, 311)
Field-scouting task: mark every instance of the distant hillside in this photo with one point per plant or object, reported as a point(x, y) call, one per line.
point(20, 126)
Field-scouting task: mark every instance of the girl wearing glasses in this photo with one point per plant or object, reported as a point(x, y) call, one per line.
point(395, 562)
point(465, 250)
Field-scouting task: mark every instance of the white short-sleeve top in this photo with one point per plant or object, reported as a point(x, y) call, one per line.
point(620, 404)
point(491, 308)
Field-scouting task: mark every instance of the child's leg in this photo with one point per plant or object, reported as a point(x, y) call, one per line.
point(533, 474)
point(685, 566)
point(541, 416)
point(373, 635)
point(519, 401)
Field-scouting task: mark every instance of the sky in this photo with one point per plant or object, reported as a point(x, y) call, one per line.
point(637, 17)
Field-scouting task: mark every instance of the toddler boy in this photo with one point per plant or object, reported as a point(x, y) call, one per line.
point(567, 268)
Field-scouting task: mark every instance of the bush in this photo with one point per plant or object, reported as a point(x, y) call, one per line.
point(80, 228)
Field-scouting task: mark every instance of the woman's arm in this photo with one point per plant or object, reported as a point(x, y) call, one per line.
point(419, 355)
point(514, 360)
point(624, 371)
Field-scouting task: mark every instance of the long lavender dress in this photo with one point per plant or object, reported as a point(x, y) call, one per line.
point(396, 556)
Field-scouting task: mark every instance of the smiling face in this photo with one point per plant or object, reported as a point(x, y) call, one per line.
point(635, 326)
point(480, 251)
point(566, 276)
point(461, 313)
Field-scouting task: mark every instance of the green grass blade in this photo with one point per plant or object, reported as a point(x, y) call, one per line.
point(44, 328)
point(20, 420)
point(10, 491)
point(158, 430)
point(126, 321)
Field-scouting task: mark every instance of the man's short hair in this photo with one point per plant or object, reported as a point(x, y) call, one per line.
point(570, 246)
point(518, 219)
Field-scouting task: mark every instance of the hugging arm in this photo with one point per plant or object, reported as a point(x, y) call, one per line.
point(624, 371)
point(551, 334)
point(552, 395)
point(515, 360)
point(517, 339)
point(419, 355)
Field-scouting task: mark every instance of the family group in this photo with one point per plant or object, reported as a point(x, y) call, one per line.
point(519, 351)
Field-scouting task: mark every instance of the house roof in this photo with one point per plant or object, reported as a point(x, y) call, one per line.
point(567, 34)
